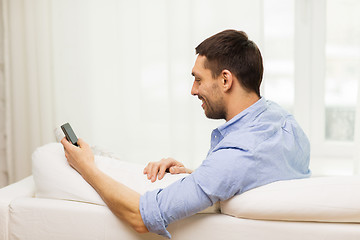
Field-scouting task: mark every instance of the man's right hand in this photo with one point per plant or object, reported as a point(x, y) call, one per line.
point(157, 169)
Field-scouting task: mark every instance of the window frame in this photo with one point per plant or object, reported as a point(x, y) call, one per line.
point(309, 99)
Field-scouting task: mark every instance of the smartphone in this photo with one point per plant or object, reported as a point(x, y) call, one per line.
point(69, 133)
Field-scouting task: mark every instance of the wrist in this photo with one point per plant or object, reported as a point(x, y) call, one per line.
point(90, 172)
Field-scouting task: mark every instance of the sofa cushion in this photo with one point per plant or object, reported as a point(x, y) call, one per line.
point(322, 199)
point(55, 178)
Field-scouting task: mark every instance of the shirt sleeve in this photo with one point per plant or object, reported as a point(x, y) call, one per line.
point(222, 175)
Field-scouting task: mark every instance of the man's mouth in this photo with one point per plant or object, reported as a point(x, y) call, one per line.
point(203, 102)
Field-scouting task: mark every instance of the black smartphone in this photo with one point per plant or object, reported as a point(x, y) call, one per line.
point(69, 133)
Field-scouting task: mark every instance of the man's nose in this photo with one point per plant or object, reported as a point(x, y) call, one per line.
point(194, 89)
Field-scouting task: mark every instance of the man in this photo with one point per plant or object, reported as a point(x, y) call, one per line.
point(260, 143)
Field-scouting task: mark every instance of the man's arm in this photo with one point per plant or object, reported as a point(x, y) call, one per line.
point(223, 174)
point(122, 201)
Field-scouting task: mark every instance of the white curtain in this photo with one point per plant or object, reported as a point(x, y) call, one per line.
point(119, 73)
point(122, 72)
point(29, 120)
point(3, 143)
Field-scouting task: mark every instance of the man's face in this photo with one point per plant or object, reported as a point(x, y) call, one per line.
point(208, 90)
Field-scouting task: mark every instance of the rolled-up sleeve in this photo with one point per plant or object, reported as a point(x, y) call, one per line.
point(195, 192)
point(151, 214)
point(161, 207)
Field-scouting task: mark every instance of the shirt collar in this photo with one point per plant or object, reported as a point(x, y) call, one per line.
point(245, 117)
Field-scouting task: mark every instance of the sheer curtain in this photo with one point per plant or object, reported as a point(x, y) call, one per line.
point(28, 67)
point(3, 115)
point(128, 65)
point(119, 73)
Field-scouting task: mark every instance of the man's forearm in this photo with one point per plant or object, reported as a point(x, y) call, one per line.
point(122, 201)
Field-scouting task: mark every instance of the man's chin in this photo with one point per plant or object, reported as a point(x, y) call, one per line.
point(213, 116)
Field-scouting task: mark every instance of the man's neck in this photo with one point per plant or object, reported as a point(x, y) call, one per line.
point(238, 103)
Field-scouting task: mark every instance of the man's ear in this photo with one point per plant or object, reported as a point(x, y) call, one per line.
point(227, 80)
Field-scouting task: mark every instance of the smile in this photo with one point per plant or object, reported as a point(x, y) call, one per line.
point(203, 102)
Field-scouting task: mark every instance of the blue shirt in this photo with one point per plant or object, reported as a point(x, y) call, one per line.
point(260, 145)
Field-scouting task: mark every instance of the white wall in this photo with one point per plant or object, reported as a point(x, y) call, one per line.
point(122, 72)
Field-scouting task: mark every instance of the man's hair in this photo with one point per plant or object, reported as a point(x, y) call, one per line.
point(232, 50)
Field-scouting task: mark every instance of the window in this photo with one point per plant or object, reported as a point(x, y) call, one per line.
point(312, 68)
point(342, 68)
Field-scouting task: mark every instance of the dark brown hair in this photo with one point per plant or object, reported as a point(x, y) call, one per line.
point(232, 50)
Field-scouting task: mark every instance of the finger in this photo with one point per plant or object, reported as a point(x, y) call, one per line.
point(148, 170)
point(176, 170)
point(148, 167)
point(154, 172)
point(65, 143)
point(172, 170)
point(82, 143)
point(161, 172)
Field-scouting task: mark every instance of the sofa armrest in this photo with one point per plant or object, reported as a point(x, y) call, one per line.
point(23, 188)
point(318, 199)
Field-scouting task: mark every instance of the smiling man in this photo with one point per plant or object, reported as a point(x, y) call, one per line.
point(217, 105)
point(260, 143)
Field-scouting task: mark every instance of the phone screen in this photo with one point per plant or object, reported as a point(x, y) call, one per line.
point(69, 133)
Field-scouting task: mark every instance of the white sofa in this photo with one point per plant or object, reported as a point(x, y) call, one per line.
point(307, 209)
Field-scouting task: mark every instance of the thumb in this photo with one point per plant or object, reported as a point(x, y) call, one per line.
point(65, 143)
point(175, 170)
